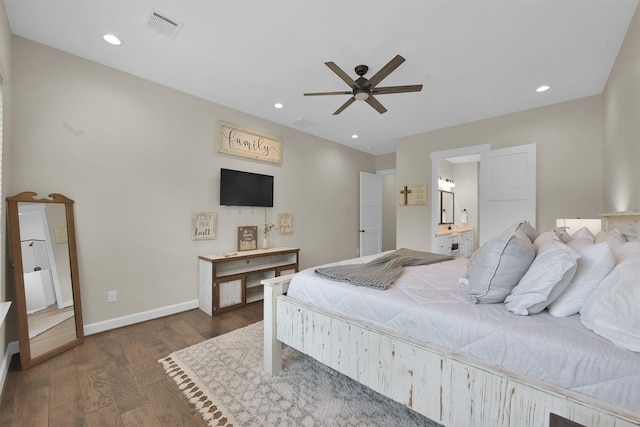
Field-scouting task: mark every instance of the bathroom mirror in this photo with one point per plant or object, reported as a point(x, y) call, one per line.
point(45, 268)
point(446, 207)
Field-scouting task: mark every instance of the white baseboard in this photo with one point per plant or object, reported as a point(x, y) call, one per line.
point(143, 316)
point(12, 348)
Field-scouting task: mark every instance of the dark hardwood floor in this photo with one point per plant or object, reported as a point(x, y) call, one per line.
point(113, 378)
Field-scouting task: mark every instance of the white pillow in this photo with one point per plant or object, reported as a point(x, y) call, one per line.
point(629, 250)
point(595, 263)
point(583, 233)
point(613, 238)
point(549, 275)
point(498, 266)
point(612, 310)
point(545, 238)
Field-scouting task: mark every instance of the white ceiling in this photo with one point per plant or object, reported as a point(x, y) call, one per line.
point(476, 59)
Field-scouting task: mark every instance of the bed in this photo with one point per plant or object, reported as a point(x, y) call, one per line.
point(423, 344)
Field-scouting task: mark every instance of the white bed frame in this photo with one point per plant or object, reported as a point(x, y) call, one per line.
point(447, 387)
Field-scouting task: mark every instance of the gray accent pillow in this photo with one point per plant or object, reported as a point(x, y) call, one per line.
point(531, 232)
point(497, 267)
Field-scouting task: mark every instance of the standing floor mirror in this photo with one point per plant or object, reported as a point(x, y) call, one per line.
point(45, 268)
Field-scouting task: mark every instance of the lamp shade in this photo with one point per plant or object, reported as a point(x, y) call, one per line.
point(574, 224)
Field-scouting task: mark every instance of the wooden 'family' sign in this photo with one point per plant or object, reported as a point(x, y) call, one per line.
point(248, 143)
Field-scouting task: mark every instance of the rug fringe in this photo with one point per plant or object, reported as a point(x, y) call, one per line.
point(209, 412)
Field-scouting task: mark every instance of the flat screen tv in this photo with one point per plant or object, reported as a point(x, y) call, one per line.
point(238, 188)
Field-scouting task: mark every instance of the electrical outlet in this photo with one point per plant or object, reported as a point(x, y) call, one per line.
point(112, 296)
point(357, 251)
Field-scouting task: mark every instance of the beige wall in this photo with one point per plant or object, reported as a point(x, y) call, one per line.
point(386, 161)
point(139, 158)
point(622, 126)
point(389, 208)
point(8, 332)
point(568, 137)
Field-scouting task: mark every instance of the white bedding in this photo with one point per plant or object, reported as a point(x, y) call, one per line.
point(430, 304)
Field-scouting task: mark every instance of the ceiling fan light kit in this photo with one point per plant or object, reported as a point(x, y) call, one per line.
point(363, 89)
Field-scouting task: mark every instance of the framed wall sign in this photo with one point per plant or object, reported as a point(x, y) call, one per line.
point(241, 142)
point(285, 223)
point(247, 238)
point(203, 226)
point(414, 194)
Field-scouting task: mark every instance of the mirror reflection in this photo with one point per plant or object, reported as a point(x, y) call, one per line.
point(446, 207)
point(45, 266)
point(47, 275)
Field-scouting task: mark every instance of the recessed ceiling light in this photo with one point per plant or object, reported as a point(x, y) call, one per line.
point(354, 136)
point(110, 38)
point(278, 105)
point(542, 88)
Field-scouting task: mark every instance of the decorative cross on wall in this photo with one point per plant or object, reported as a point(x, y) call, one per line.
point(414, 194)
point(406, 193)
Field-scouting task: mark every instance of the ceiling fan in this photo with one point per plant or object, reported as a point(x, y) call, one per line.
point(363, 89)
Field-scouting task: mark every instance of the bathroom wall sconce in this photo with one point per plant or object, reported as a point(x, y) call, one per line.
point(445, 184)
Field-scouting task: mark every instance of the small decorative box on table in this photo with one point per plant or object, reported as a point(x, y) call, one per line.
point(231, 280)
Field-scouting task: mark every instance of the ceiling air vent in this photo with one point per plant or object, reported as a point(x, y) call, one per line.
point(163, 24)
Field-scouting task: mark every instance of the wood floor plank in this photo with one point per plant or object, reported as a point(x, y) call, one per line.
point(67, 415)
point(65, 383)
point(114, 378)
point(32, 408)
point(96, 390)
point(142, 416)
point(127, 392)
point(171, 407)
point(188, 334)
point(106, 416)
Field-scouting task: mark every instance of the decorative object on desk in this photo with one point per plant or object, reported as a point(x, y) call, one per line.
point(247, 238)
point(413, 194)
point(241, 142)
point(267, 228)
point(464, 217)
point(203, 226)
point(285, 221)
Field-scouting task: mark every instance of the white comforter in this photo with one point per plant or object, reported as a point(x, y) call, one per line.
point(429, 303)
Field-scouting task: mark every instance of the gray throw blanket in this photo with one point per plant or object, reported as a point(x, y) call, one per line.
point(380, 272)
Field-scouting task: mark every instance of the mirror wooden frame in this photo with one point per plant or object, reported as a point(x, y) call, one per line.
point(26, 359)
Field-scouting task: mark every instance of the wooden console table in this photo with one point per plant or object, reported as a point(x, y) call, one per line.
point(231, 280)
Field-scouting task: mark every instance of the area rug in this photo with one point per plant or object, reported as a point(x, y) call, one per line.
point(223, 378)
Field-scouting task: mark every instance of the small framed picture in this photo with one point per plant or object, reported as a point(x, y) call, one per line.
point(285, 223)
point(247, 238)
point(203, 226)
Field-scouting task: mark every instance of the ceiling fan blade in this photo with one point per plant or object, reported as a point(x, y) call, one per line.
point(344, 76)
point(396, 89)
point(345, 105)
point(375, 104)
point(385, 71)
point(328, 93)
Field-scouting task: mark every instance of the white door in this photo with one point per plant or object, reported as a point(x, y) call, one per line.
point(507, 189)
point(370, 213)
